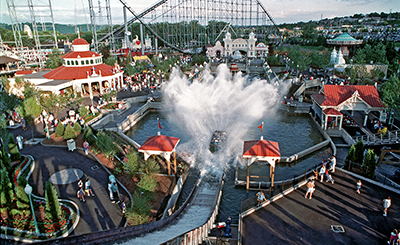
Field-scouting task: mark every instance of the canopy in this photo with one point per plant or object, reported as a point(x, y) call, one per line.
point(159, 145)
point(261, 150)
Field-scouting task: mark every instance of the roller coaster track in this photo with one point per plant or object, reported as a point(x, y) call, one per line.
point(151, 30)
point(135, 18)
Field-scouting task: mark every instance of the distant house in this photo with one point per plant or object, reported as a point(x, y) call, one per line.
point(334, 100)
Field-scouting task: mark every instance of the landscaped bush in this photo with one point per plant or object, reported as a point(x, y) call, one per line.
point(69, 133)
point(13, 148)
point(6, 190)
point(53, 208)
point(351, 155)
point(83, 111)
point(6, 161)
point(133, 163)
point(140, 212)
point(106, 145)
point(369, 165)
point(147, 183)
point(359, 154)
point(77, 128)
point(88, 136)
point(60, 130)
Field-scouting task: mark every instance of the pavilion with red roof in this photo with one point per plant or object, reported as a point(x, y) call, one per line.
point(261, 150)
point(82, 70)
point(333, 100)
point(160, 145)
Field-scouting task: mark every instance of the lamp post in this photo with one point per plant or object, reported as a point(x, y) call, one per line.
point(28, 191)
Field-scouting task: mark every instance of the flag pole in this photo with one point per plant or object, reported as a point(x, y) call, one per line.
point(159, 126)
point(262, 126)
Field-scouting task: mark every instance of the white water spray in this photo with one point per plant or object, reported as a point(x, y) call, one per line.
point(231, 104)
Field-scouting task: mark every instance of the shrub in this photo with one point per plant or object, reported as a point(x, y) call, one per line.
point(69, 133)
point(147, 183)
point(151, 167)
point(140, 212)
point(13, 148)
point(351, 155)
point(6, 190)
point(369, 164)
point(83, 111)
point(88, 136)
point(359, 154)
point(5, 158)
point(106, 145)
point(60, 130)
point(77, 128)
point(53, 208)
point(133, 165)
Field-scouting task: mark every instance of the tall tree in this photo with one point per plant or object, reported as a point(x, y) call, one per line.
point(31, 110)
point(391, 92)
point(55, 59)
point(6, 190)
point(53, 208)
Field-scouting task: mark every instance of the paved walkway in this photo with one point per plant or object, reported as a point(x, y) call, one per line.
point(296, 220)
point(98, 213)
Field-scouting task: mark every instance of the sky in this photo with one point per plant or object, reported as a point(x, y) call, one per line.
point(282, 11)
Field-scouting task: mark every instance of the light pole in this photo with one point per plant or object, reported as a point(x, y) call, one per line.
point(28, 191)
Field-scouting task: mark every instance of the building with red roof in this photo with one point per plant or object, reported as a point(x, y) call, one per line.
point(82, 70)
point(334, 100)
point(261, 150)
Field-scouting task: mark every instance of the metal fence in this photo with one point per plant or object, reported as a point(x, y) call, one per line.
point(380, 138)
point(279, 187)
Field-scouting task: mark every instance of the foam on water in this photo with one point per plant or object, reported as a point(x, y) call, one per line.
point(232, 104)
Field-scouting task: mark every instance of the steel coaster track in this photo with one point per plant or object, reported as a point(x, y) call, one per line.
point(130, 21)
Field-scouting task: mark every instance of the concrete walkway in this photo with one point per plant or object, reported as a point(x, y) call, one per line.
point(296, 220)
point(98, 213)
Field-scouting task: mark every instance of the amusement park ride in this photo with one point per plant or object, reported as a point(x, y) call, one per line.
point(184, 26)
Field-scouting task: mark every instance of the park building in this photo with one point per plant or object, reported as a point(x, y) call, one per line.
point(82, 70)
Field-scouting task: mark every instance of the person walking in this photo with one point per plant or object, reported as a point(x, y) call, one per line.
point(386, 204)
point(260, 198)
point(329, 178)
point(23, 124)
point(80, 183)
point(123, 206)
point(81, 194)
point(110, 191)
point(20, 143)
point(88, 188)
point(359, 184)
point(322, 172)
point(333, 164)
point(393, 237)
point(310, 188)
point(86, 146)
point(114, 188)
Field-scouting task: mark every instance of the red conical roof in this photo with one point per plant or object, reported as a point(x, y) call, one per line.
point(80, 41)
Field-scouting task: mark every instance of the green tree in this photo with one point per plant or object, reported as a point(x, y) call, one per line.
point(369, 165)
point(147, 184)
point(106, 145)
point(351, 157)
point(53, 208)
point(69, 133)
point(60, 129)
point(140, 212)
point(83, 111)
point(390, 91)
point(31, 110)
point(13, 149)
point(134, 163)
point(54, 59)
point(359, 154)
point(22, 197)
point(6, 160)
point(77, 128)
point(6, 190)
point(51, 102)
point(89, 136)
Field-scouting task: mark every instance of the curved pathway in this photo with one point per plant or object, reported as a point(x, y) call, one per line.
point(97, 213)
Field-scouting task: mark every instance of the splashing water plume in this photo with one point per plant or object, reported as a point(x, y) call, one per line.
point(232, 104)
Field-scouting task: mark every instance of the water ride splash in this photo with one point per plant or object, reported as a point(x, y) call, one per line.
point(231, 104)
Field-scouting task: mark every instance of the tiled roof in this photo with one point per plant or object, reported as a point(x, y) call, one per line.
point(344, 37)
point(332, 112)
point(82, 54)
point(319, 98)
point(24, 72)
point(80, 41)
point(337, 94)
point(71, 73)
point(160, 143)
point(261, 148)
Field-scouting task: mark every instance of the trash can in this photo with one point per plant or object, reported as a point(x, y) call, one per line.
point(71, 145)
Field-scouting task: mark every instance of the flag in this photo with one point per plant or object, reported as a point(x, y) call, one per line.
point(159, 125)
point(261, 126)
